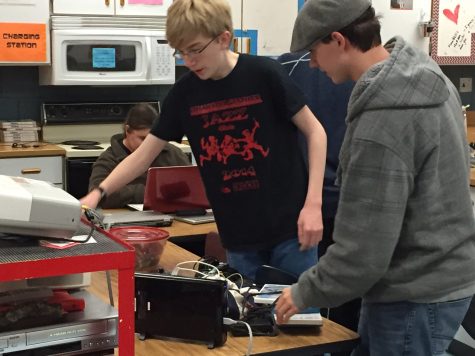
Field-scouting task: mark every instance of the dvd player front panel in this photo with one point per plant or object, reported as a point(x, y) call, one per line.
point(89, 336)
point(67, 332)
point(93, 329)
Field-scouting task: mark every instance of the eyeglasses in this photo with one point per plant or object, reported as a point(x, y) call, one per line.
point(192, 53)
point(23, 145)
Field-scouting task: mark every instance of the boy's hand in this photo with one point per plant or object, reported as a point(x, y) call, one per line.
point(310, 227)
point(285, 307)
point(92, 199)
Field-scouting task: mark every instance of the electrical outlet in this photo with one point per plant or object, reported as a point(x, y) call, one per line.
point(465, 85)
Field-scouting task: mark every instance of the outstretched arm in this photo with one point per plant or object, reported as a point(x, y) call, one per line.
point(310, 225)
point(130, 168)
point(104, 165)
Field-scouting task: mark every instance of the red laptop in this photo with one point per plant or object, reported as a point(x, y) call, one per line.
point(177, 190)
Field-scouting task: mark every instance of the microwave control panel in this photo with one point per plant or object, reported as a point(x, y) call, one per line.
point(164, 68)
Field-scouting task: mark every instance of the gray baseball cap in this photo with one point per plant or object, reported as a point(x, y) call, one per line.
point(319, 18)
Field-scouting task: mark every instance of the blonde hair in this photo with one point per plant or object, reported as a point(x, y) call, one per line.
point(187, 19)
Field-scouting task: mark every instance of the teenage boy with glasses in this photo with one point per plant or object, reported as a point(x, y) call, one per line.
point(241, 115)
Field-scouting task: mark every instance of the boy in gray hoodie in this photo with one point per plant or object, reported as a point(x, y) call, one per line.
point(404, 231)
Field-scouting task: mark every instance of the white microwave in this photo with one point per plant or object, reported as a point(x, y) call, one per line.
point(109, 56)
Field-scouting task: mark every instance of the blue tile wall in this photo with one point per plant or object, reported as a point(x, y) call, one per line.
point(21, 96)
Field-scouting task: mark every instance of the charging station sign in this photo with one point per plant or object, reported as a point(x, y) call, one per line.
point(23, 42)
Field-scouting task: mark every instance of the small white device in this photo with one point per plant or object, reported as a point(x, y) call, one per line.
point(37, 208)
point(269, 293)
point(309, 317)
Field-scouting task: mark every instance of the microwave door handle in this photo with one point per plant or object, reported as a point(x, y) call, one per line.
point(148, 47)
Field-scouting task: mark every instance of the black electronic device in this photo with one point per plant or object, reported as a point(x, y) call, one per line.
point(190, 309)
point(261, 322)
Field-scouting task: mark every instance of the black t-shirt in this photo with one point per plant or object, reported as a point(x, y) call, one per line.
point(245, 144)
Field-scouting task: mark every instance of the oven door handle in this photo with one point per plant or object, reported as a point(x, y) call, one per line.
point(81, 162)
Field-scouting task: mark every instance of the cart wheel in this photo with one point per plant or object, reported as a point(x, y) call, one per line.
point(142, 337)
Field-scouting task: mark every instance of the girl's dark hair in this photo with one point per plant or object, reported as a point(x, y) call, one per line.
point(140, 116)
point(363, 33)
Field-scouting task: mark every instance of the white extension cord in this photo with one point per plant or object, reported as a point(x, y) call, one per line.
point(214, 273)
point(229, 321)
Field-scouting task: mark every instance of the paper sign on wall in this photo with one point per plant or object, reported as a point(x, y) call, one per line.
point(22, 42)
point(453, 38)
point(146, 2)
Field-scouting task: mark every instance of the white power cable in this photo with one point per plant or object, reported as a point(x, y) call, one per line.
point(199, 262)
point(297, 61)
point(229, 321)
point(214, 274)
point(177, 270)
point(240, 277)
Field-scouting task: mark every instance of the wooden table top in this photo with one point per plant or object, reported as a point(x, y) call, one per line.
point(43, 149)
point(330, 332)
point(179, 228)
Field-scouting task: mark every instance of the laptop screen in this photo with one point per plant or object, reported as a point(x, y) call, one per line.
point(174, 189)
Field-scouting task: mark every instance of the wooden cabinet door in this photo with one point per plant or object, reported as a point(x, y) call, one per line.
point(34, 11)
point(49, 169)
point(84, 7)
point(20, 17)
point(142, 8)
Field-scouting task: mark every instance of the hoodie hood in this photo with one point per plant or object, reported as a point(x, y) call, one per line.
point(407, 79)
point(117, 146)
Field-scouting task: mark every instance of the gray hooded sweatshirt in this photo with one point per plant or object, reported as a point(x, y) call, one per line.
point(404, 229)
